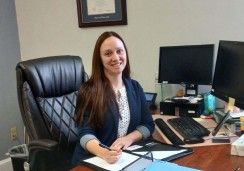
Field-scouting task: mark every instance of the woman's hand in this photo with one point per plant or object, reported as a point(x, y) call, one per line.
point(111, 156)
point(122, 143)
point(126, 141)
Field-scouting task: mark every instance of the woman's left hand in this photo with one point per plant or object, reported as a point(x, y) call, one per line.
point(122, 143)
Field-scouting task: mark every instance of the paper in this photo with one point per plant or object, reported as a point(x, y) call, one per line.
point(124, 160)
point(96, 7)
point(161, 154)
point(237, 114)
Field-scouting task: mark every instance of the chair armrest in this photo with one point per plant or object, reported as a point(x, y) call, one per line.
point(42, 144)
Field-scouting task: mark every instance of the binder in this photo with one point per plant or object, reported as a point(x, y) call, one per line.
point(157, 146)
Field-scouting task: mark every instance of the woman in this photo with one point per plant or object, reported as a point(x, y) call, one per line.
point(111, 107)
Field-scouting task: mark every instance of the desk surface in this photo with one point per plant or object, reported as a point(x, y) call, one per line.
point(207, 158)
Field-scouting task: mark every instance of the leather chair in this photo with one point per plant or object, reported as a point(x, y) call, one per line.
point(47, 89)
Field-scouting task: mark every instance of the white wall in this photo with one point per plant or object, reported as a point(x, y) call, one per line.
point(50, 27)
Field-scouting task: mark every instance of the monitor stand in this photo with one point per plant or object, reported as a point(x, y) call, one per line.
point(191, 90)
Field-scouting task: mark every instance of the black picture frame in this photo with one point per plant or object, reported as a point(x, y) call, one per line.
point(101, 13)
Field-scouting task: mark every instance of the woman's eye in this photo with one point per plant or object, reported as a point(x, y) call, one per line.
point(119, 51)
point(107, 53)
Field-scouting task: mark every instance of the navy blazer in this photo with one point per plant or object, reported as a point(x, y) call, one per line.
point(107, 134)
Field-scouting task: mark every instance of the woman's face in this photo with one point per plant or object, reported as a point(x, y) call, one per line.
point(113, 56)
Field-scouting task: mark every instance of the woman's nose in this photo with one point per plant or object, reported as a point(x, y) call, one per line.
point(115, 57)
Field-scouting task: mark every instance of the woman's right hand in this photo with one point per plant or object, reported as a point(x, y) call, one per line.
point(111, 156)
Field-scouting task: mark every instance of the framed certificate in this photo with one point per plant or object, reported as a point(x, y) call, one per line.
point(93, 13)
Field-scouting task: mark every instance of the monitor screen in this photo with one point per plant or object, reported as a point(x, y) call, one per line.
point(228, 76)
point(189, 64)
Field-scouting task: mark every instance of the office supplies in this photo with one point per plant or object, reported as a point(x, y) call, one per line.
point(173, 138)
point(193, 140)
point(237, 147)
point(222, 138)
point(142, 151)
point(169, 107)
point(104, 146)
point(220, 124)
point(124, 161)
point(180, 100)
point(238, 168)
point(163, 165)
point(162, 151)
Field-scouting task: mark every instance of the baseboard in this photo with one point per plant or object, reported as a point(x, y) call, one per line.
point(6, 164)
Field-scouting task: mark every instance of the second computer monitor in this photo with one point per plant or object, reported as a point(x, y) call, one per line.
point(228, 77)
point(191, 65)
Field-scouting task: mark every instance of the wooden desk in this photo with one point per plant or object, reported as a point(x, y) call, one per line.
point(207, 158)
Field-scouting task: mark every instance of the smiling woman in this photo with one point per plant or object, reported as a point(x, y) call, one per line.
point(101, 13)
point(111, 107)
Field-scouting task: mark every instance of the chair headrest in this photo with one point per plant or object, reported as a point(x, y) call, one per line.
point(53, 76)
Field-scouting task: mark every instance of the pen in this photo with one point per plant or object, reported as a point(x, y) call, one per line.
point(104, 146)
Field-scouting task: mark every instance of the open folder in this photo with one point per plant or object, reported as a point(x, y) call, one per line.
point(140, 156)
point(161, 151)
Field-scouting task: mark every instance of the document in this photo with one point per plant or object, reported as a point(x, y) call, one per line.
point(96, 7)
point(124, 160)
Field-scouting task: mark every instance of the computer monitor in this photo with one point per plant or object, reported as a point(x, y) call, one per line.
point(191, 65)
point(228, 79)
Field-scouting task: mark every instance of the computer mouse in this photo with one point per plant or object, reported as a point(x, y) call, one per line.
point(193, 140)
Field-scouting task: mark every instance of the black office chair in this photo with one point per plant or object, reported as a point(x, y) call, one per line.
point(47, 89)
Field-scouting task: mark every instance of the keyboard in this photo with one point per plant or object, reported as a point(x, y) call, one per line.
point(188, 127)
point(165, 129)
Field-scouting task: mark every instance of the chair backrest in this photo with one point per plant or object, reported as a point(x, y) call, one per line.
point(47, 88)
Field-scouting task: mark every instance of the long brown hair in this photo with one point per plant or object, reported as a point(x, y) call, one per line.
point(95, 95)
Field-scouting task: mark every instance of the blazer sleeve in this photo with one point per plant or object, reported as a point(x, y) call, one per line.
point(86, 133)
point(146, 117)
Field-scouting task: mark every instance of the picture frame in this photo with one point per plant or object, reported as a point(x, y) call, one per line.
point(94, 13)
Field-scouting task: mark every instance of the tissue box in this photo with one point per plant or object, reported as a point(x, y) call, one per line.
point(237, 147)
